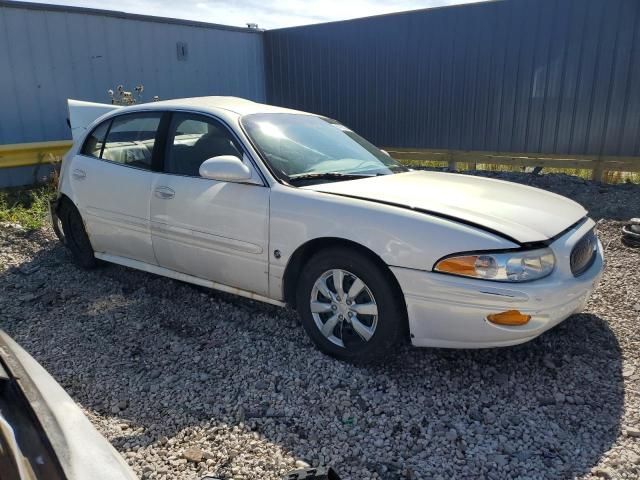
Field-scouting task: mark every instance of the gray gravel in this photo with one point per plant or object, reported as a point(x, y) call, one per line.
point(186, 382)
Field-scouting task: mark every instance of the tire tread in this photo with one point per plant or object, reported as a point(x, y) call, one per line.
point(388, 334)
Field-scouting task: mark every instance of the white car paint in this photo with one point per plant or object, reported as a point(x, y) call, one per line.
point(83, 114)
point(225, 235)
point(451, 312)
point(524, 213)
point(400, 237)
point(213, 230)
point(116, 212)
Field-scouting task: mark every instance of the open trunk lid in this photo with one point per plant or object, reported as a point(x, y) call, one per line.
point(82, 114)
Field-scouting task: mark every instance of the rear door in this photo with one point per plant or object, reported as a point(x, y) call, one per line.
point(210, 229)
point(111, 184)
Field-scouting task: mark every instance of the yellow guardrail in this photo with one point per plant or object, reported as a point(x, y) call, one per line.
point(42, 153)
point(29, 154)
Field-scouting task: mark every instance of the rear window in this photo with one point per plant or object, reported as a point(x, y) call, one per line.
point(94, 142)
point(130, 139)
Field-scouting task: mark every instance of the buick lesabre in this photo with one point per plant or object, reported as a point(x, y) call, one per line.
point(296, 209)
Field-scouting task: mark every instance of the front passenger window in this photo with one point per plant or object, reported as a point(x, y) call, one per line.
point(194, 139)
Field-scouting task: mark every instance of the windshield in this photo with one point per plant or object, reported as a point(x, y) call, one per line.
point(298, 146)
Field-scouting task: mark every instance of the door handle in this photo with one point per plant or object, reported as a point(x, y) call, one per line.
point(79, 174)
point(165, 193)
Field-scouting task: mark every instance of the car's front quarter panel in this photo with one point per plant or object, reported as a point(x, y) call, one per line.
point(400, 237)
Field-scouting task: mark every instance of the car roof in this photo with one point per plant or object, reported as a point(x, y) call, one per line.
point(237, 105)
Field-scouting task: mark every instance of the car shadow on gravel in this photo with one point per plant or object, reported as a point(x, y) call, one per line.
point(546, 409)
point(162, 366)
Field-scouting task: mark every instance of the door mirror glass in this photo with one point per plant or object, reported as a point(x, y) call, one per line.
point(225, 168)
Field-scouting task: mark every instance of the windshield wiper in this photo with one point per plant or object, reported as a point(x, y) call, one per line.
point(328, 176)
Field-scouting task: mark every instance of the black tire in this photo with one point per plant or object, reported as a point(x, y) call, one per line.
point(75, 235)
point(391, 324)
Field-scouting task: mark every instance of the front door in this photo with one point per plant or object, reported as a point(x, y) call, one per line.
point(210, 229)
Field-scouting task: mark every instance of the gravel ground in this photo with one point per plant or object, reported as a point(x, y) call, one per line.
point(186, 382)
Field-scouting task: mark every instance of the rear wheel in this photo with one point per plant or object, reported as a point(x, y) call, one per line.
point(75, 235)
point(349, 306)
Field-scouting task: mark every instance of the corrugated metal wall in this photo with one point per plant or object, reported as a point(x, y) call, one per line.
point(49, 54)
point(553, 76)
point(556, 76)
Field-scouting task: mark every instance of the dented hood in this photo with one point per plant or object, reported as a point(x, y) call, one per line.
point(522, 213)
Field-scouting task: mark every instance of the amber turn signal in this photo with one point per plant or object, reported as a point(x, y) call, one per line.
point(510, 317)
point(459, 265)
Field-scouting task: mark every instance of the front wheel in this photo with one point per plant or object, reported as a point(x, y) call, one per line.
point(350, 307)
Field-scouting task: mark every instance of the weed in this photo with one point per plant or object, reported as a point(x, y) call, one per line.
point(26, 206)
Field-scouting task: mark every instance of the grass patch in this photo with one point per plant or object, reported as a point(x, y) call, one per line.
point(28, 207)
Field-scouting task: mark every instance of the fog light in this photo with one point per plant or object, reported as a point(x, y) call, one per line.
point(510, 317)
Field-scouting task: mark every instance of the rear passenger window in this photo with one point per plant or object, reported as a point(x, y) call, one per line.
point(194, 139)
point(131, 139)
point(93, 144)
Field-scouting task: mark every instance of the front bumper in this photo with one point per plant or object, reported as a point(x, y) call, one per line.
point(449, 311)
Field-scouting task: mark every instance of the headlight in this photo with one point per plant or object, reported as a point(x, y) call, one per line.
point(516, 266)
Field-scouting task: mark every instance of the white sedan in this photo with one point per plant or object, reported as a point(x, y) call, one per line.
point(296, 209)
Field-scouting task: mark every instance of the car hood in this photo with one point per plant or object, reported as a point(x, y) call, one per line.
point(522, 213)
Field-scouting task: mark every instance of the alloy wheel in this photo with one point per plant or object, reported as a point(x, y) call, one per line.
point(343, 308)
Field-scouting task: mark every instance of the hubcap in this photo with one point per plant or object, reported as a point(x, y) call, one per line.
point(343, 308)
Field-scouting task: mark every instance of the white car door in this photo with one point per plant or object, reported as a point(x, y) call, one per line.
point(111, 184)
point(210, 229)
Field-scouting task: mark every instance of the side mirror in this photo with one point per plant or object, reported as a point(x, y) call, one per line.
point(225, 168)
point(385, 152)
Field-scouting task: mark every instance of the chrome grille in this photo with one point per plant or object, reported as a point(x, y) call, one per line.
point(584, 253)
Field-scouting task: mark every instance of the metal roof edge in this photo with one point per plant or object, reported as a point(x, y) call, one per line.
point(124, 15)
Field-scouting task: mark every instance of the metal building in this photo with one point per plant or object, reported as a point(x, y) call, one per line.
point(50, 53)
point(549, 76)
point(552, 76)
